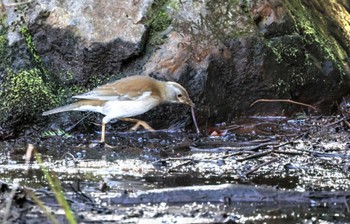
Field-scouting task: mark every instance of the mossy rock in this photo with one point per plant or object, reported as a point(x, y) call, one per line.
point(157, 20)
point(23, 96)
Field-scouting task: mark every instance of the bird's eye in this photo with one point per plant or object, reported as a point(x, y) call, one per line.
point(179, 95)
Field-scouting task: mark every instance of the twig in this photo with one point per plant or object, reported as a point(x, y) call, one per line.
point(336, 122)
point(76, 123)
point(261, 165)
point(322, 154)
point(78, 191)
point(256, 155)
point(283, 100)
point(28, 155)
point(173, 169)
point(282, 144)
point(233, 148)
point(287, 152)
point(217, 149)
point(232, 127)
point(172, 159)
point(346, 205)
point(234, 154)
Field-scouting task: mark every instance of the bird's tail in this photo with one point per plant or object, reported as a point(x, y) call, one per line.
point(68, 107)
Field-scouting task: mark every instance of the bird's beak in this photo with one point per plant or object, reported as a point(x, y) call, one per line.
point(189, 102)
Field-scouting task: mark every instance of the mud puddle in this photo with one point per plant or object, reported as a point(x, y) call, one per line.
point(257, 170)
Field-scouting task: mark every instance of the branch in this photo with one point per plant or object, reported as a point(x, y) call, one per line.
point(283, 100)
point(259, 166)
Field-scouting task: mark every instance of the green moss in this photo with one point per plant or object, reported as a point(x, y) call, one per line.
point(3, 43)
point(276, 51)
point(284, 49)
point(308, 45)
point(157, 20)
point(281, 86)
point(160, 21)
point(96, 81)
point(312, 25)
point(25, 93)
point(32, 49)
point(3, 48)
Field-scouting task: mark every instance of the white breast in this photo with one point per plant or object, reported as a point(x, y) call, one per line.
point(122, 109)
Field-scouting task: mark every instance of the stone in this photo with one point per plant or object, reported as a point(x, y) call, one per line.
point(226, 53)
point(85, 38)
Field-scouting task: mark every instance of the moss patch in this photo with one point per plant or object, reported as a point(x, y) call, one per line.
point(3, 44)
point(25, 94)
point(28, 91)
point(157, 20)
point(32, 49)
point(313, 26)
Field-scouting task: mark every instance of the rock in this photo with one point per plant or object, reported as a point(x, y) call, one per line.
point(226, 70)
point(71, 43)
point(86, 38)
point(227, 55)
point(171, 59)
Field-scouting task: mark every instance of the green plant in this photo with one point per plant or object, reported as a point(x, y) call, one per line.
point(57, 132)
point(41, 205)
point(55, 186)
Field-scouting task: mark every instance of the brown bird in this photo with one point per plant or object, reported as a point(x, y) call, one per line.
point(127, 97)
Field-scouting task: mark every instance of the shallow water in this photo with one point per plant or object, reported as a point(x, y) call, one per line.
point(299, 155)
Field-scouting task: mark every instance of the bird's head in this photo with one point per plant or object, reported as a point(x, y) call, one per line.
point(175, 93)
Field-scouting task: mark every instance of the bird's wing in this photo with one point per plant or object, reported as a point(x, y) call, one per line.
point(96, 95)
point(131, 88)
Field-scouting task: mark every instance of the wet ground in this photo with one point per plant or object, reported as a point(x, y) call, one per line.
point(257, 170)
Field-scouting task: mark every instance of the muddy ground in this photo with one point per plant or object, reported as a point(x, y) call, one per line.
point(256, 170)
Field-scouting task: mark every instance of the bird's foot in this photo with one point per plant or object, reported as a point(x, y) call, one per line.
point(138, 124)
point(143, 124)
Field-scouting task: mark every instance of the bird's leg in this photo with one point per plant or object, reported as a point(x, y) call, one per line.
point(138, 123)
point(103, 132)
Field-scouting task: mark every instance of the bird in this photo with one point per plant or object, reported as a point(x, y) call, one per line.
point(126, 98)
